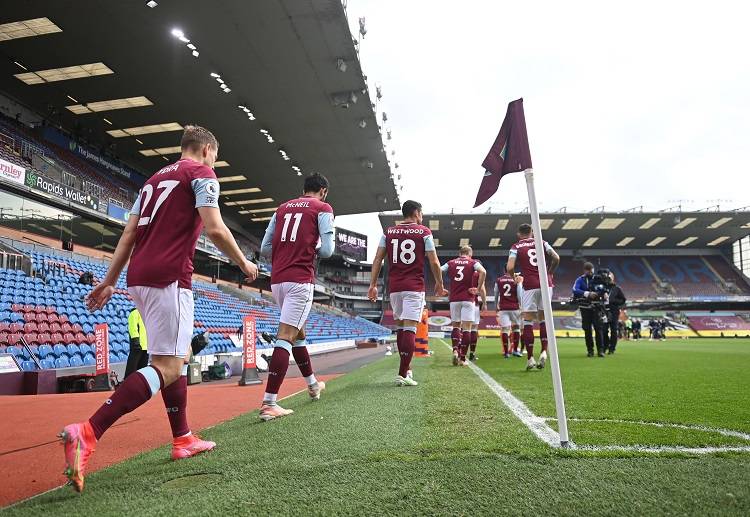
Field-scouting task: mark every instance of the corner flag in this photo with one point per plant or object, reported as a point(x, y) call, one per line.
point(509, 153)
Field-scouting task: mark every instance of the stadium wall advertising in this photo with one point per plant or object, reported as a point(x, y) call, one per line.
point(57, 189)
point(63, 141)
point(12, 172)
point(351, 244)
point(119, 213)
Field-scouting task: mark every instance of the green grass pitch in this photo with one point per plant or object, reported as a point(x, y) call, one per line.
point(450, 447)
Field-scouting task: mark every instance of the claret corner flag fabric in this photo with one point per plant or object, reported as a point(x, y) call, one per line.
point(509, 153)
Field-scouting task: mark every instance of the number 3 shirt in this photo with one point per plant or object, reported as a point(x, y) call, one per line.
point(527, 261)
point(406, 245)
point(169, 223)
point(461, 273)
point(294, 231)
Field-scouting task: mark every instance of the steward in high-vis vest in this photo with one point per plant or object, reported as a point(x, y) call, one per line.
point(422, 346)
point(138, 356)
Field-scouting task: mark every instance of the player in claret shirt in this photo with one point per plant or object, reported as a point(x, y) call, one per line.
point(508, 313)
point(406, 245)
point(291, 242)
point(480, 304)
point(523, 252)
point(159, 239)
point(463, 291)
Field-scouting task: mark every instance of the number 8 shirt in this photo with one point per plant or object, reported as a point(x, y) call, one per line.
point(406, 245)
point(527, 261)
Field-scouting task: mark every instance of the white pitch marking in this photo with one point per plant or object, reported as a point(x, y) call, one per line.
point(538, 426)
point(689, 427)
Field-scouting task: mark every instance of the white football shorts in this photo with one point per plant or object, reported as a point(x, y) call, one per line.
point(168, 314)
point(407, 305)
point(295, 301)
point(462, 311)
point(531, 300)
point(507, 319)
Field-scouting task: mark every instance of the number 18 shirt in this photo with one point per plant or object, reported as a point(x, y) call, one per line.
point(169, 223)
point(406, 245)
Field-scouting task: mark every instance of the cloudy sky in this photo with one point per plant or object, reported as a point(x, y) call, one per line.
point(627, 104)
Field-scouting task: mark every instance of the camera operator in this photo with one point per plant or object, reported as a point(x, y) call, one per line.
point(589, 301)
point(615, 301)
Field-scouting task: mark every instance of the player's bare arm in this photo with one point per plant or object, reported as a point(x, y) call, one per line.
point(483, 296)
point(377, 263)
point(101, 294)
point(437, 273)
point(511, 264)
point(220, 235)
point(554, 260)
point(480, 281)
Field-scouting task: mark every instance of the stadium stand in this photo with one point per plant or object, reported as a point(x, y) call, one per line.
point(19, 144)
point(48, 311)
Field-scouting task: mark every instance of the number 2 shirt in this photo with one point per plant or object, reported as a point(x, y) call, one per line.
point(169, 223)
point(297, 226)
point(406, 245)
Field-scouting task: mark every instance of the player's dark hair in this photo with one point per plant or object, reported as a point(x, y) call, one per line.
point(588, 266)
point(315, 182)
point(524, 229)
point(410, 207)
point(195, 137)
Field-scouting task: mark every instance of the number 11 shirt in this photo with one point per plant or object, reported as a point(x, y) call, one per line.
point(406, 245)
point(296, 227)
point(169, 223)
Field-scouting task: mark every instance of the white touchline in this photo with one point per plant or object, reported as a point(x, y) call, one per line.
point(538, 425)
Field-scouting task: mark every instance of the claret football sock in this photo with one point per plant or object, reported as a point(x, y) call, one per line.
point(527, 338)
point(175, 401)
point(277, 371)
point(456, 338)
point(302, 358)
point(137, 389)
point(406, 347)
point(515, 338)
point(505, 342)
point(474, 338)
point(465, 342)
point(543, 335)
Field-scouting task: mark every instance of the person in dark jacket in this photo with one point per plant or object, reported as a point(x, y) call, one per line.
point(582, 290)
point(616, 301)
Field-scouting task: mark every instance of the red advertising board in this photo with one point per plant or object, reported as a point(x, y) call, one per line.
point(101, 348)
point(248, 342)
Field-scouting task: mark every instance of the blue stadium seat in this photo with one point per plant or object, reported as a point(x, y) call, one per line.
point(62, 362)
point(28, 366)
point(89, 360)
point(76, 360)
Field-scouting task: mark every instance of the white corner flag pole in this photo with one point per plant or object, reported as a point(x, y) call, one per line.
point(562, 419)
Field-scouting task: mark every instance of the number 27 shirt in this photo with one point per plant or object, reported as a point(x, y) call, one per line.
point(406, 245)
point(169, 223)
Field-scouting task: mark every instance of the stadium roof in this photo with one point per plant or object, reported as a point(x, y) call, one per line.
point(582, 231)
point(279, 59)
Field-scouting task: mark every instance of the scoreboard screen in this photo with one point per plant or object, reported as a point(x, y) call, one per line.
point(351, 244)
